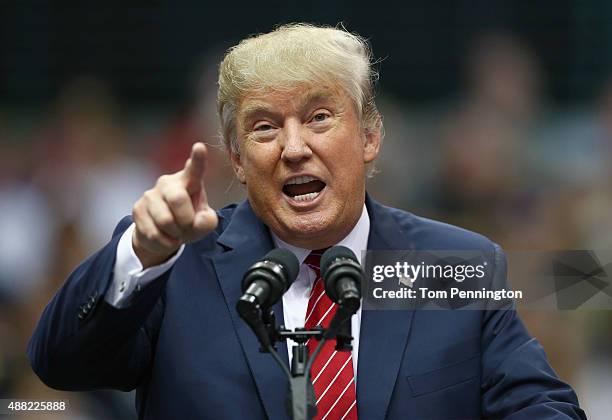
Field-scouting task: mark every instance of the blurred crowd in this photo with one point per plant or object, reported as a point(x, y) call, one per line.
point(495, 157)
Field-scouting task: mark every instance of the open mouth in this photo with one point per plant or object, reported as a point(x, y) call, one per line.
point(303, 188)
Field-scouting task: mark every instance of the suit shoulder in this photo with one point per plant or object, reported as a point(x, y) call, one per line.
point(435, 234)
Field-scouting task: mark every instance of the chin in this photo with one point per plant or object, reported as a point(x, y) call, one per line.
point(310, 228)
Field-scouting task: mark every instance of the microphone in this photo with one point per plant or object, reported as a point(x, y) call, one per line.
point(262, 285)
point(266, 280)
point(343, 276)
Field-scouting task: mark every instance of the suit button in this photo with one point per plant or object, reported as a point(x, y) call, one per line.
point(87, 307)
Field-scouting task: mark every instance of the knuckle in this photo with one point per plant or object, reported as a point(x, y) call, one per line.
point(136, 209)
point(148, 195)
point(165, 221)
point(176, 197)
point(162, 180)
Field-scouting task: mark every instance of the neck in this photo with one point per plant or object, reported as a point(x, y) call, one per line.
point(326, 239)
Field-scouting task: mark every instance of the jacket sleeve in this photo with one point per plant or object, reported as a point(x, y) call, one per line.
point(517, 381)
point(81, 342)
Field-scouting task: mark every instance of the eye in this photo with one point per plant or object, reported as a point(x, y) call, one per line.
point(320, 117)
point(263, 126)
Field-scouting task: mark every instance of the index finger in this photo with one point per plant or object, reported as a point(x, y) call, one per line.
point(195, 165)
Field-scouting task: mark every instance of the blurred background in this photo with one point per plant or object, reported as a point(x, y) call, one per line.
point(498, 118)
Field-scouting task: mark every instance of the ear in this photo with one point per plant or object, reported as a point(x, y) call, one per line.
point(237, 166)
point(371, 146)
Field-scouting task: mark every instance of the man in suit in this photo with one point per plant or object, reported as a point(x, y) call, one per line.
point(154, 310)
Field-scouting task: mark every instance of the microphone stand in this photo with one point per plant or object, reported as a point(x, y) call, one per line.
point(301, 402)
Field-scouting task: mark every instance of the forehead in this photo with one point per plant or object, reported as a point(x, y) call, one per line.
point(290, 100)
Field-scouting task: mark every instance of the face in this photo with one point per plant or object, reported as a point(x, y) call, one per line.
point(303, 157)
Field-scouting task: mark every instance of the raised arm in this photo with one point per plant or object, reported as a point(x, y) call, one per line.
point(84, 339)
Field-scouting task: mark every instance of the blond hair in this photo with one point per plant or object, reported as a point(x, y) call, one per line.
point(294, 55)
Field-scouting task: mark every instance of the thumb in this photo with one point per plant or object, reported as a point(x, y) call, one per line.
point(205, 221)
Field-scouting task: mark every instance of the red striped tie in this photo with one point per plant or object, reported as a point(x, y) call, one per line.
point(332, 372)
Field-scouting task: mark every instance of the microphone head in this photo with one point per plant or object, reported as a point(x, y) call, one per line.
point(287, 260)
point(339, 265)
point(334, 253)
point(274, 272)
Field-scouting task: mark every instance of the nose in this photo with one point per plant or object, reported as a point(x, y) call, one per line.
point(294, 144)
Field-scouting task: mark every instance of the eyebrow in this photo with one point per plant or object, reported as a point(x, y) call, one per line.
point(262, 108)
point(317, 96)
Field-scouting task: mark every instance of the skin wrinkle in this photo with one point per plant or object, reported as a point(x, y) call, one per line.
point(334, 149)
point(296, 54)
point(258, 107)
point(254, 108)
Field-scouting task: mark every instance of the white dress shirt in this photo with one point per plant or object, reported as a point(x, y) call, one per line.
point(129, 277)
point(295, 300)
point(128, 274)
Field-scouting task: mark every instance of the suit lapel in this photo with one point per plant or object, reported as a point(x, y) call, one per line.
point(383, 334)
point(246, 239)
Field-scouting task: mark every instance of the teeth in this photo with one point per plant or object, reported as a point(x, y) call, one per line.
point(301, 180)
point(306, 197)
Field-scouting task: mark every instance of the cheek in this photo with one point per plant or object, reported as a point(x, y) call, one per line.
point(259, 162)
point(348, 156)
point(257, 155)
point(348, 167)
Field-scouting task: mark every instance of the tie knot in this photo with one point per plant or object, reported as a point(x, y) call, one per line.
point(313, 260)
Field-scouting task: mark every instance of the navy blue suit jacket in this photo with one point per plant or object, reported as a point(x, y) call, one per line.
point(181, 344)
